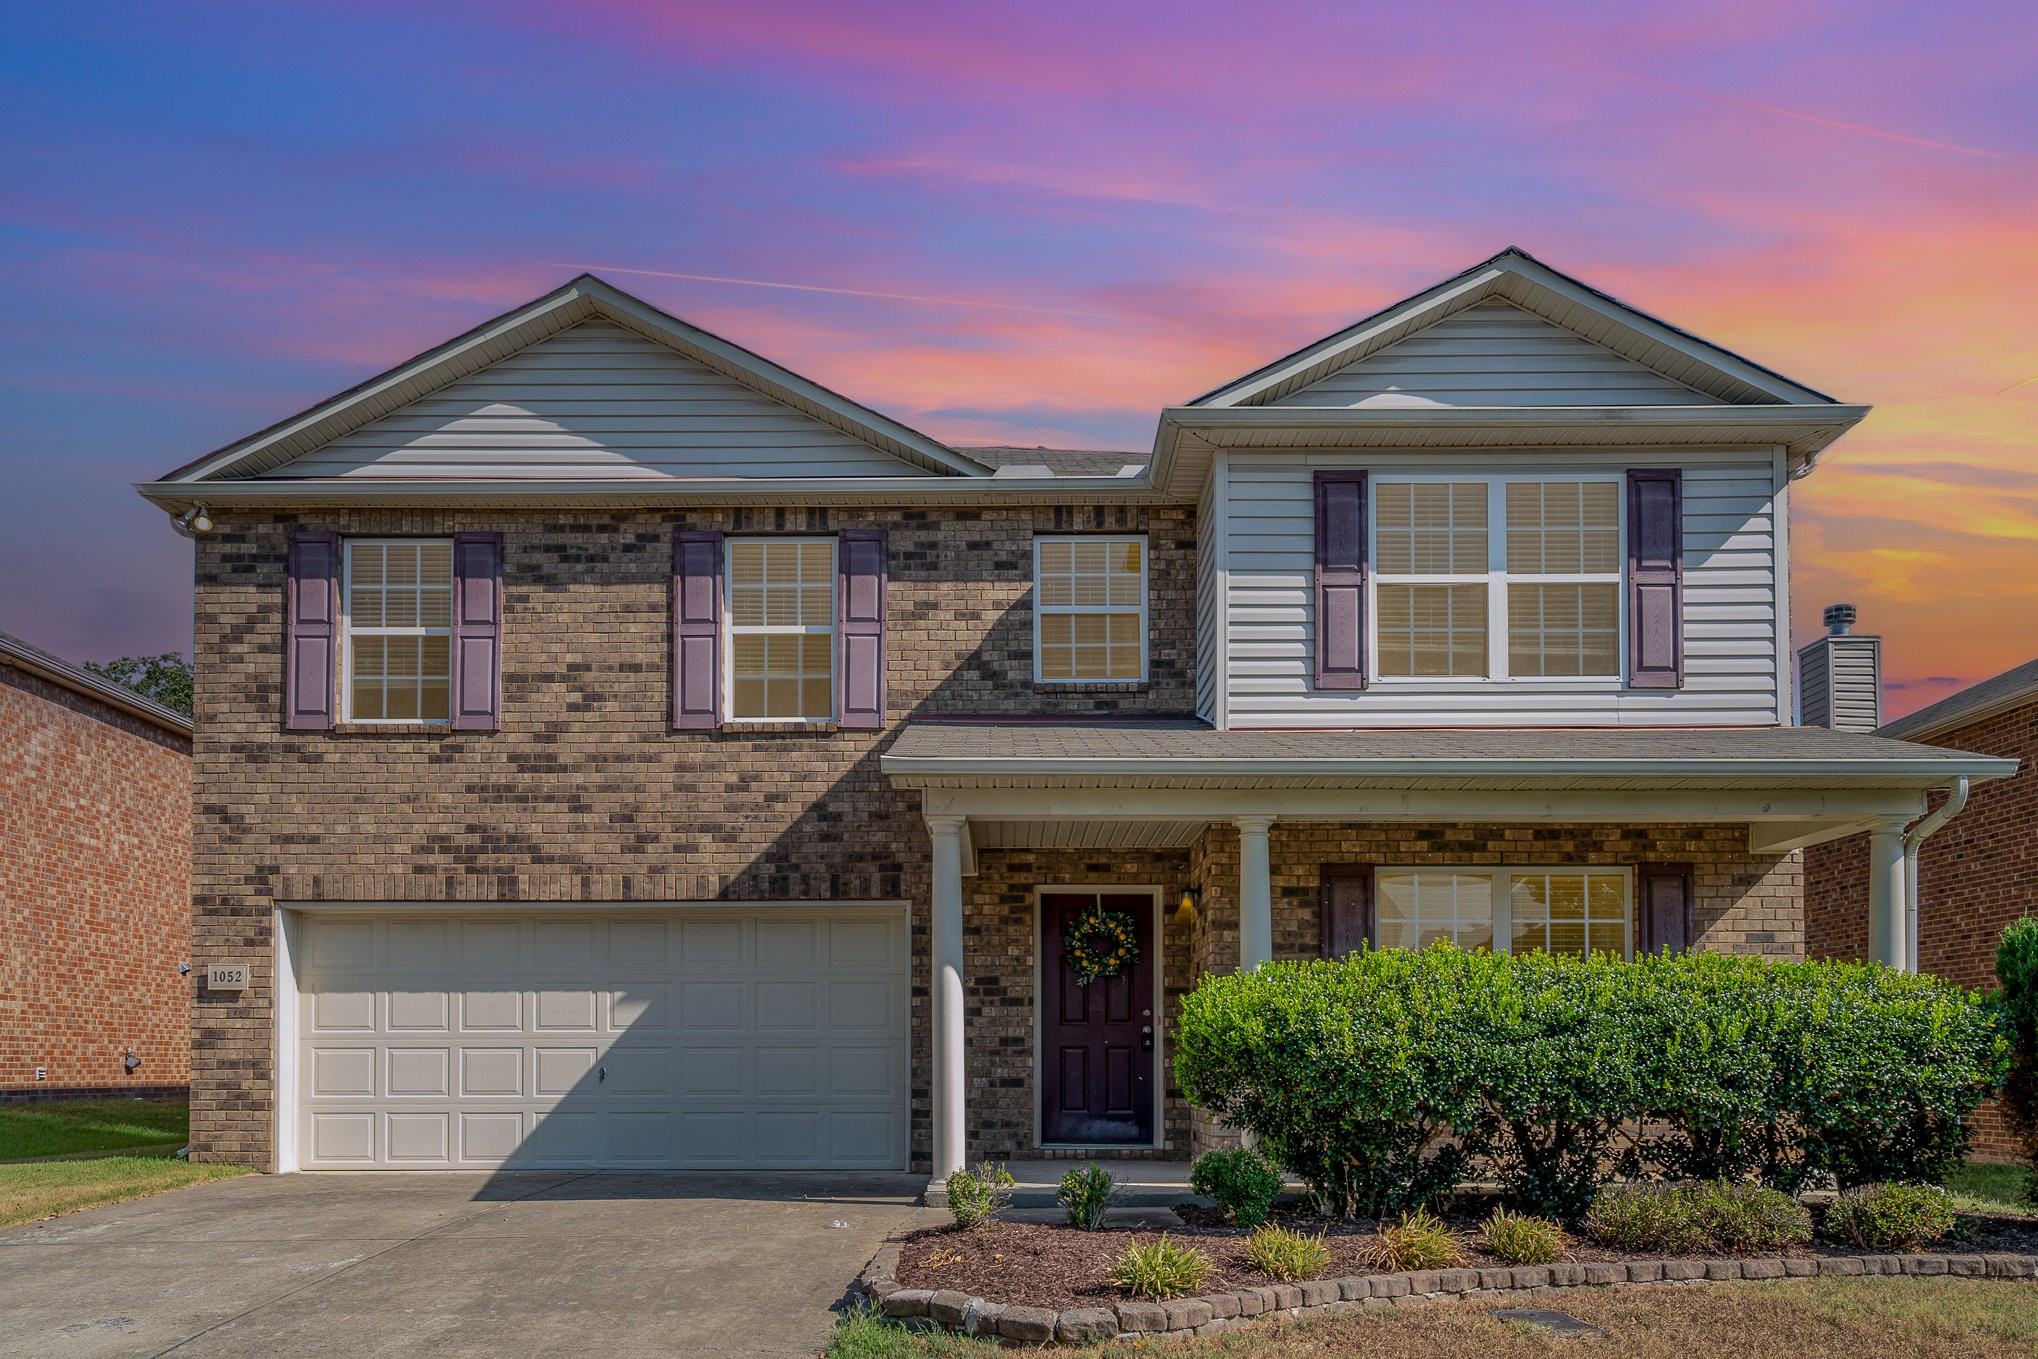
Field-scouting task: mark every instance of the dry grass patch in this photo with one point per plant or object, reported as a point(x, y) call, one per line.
point(33, 1190)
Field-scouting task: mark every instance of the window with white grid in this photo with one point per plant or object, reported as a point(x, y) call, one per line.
point(1572, 911)
point(782, 629)
point(397, 614)
point(1089, 610)
point(1459, 563)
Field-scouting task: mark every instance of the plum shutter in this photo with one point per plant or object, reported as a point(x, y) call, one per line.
point(1344, 900)
point(1663, 908)
point(860, 630)
point(311, 631)
point(696, 628)
point(1340, 580)
point(1655, 578)
point(477, 632)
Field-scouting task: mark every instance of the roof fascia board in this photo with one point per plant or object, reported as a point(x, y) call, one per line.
point(81, 681)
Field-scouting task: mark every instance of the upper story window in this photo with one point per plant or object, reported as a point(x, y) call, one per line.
point(1518, 910)
point(1497, 578)
point(397, 628)
point(1089, 610)
point(781, 629)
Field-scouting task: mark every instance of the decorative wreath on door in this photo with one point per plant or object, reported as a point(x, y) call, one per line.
point(1099, 943)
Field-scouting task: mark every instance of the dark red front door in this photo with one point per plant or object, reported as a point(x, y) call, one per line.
point(1096, 1041)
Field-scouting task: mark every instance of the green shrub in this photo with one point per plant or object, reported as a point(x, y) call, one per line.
point(1085, 1194)
point(1384, 1078)
point(1160, 1269)
point(1239, 1181)
point(1890, 1216)
point(974, 1195)
point(1713, 1215)
point(1281, 1254)
point(2017, 970)
point(1420, 1240)
point(1523, 1240)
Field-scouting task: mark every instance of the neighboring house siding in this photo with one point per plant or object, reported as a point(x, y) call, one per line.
point(1496, 354)
point(1730, 588)
point(587, 794)
point(1978, 873)
point(596, 401)
point(95, 894)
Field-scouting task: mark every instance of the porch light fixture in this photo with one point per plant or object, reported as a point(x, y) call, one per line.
point(1185, 909)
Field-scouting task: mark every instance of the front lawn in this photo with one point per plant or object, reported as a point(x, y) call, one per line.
point(1828, 1318)
point(1978, 1187)
point(33, 1190)
point(64, 1127)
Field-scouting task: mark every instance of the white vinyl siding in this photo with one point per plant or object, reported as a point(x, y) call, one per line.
point(781, 629)
point(1089, 610)
point(1210, 598)
point(596, 401)
point(1494, 353)
point(396, 609)
point(1511, 910)
point(1730, 582)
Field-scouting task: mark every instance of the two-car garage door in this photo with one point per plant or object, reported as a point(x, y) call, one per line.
point(769, 1037)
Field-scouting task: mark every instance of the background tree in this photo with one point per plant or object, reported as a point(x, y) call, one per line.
point(2017, 970)
point(165, 678)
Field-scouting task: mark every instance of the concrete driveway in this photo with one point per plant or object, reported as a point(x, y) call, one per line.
point(452, 1264)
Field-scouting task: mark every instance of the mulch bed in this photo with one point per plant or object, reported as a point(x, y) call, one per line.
point(1056, 1266)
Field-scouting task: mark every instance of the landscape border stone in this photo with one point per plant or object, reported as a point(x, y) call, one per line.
point(1207, 1314)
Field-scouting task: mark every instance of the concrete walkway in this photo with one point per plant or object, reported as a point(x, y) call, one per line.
point(452, 1265)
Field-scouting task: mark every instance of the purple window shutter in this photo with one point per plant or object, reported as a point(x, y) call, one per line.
point(860, 636)
point(1344, 908)
point(311, 632)
point(477, 632)
point(697, 628)
point(1655, 578)
point(1663, 908)
point(1341, 580)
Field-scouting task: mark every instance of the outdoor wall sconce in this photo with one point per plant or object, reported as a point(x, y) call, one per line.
point(130, 1063)
point(1185, 909)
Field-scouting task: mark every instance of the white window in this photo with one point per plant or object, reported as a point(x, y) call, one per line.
point(397, 622)
point(1089, 610)
point(1459, 563)
point(781, 629)
point(1513, 910)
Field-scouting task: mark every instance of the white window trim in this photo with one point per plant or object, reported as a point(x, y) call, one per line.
point(730, 630)
point(1145, 577)
point(1495, 578)
point(1503, 893)
point(348, 632)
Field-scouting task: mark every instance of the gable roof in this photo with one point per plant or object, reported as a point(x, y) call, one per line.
point(582, 299)
point(33, 659)
point(2019, 684)
point(1515, 276)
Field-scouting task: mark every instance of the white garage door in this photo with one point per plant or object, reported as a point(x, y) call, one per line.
point(754, 1038)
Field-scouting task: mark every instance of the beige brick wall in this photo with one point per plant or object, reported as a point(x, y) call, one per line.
point(586, 794)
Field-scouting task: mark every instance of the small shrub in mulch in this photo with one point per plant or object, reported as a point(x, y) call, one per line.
point(1160, 1268)
point(1238, 1180)
point(1890, 1216)
point(1520, 1239)
point(1713, 1216)
point(1420, 1240)
point(1288, 1256)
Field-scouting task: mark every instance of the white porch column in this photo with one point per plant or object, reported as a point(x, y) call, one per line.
point(1255, 893)
point(945, 924)
point(1886, 893)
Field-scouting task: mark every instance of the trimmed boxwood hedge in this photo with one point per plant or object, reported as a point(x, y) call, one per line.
point(1386, 1077)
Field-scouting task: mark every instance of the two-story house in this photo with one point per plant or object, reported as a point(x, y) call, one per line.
point(616, 750)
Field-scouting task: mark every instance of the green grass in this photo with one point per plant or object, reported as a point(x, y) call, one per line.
point(33, 1190)
point(66, 1127)
point(1980, 1188)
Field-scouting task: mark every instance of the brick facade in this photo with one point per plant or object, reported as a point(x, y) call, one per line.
point(95, 899)
point(1976, 875)
point(587, 794)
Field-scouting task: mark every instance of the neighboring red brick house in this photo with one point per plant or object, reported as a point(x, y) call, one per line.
point(95, 883)
point(1974, 876)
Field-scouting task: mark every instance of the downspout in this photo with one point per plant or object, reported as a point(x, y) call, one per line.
point(1913, 838)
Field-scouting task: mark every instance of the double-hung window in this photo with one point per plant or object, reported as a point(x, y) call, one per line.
point(781, 629)
point(397, 617)
point(1511, 910)
point(1497, 577)
point(1089, 610)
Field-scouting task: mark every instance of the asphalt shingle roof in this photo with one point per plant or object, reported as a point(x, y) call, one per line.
point(2010, 686)
point(1063, 462)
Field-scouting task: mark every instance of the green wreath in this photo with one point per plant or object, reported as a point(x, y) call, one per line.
point(1099, 943)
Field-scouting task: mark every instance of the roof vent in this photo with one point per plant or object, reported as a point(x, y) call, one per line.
point(1840, 676)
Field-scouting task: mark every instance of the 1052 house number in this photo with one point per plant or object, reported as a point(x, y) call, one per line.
point(226, 977)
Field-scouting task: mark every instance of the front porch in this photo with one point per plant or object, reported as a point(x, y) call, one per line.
point(1257, 846)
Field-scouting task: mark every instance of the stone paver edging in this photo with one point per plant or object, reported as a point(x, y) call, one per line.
point(1214, 1312)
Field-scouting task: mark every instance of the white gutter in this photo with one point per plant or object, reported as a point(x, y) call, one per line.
point(1913, 838)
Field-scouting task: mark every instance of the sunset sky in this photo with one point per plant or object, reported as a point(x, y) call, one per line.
point(1031, 223)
